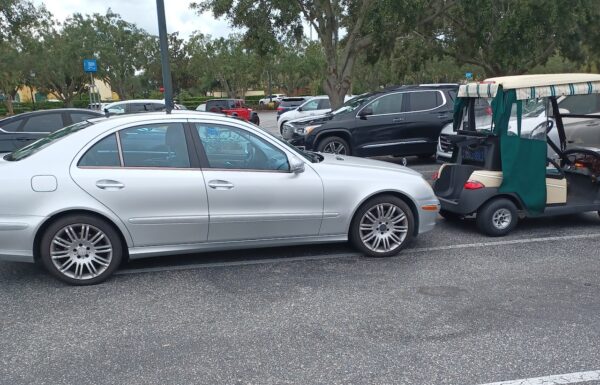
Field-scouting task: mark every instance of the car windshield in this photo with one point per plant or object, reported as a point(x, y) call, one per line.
point(310, 156)
point(46, 141)
point(352, 104)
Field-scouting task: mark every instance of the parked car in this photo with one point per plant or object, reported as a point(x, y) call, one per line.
point(137, 105)
point(317, 105)
point(154, 184)
point(401, 121)
point(20, 130)
point(271, 98)
point(578, 130)
point(233, 107)
point(201, 107)
point(290, 103)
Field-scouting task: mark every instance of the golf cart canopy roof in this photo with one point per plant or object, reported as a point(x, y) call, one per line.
point(534, 86)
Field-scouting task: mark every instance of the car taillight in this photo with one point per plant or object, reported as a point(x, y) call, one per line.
point(279, 108)
point(435, 176)
point(473, 185)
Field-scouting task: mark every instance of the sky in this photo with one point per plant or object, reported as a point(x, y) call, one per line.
point(143, 13)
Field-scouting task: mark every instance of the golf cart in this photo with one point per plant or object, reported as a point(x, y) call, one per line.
point(500, 168)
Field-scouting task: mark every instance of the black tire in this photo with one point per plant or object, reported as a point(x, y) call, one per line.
point(450, 216)
point(357, 238)
point(329, 143)
point(105, 266)
point(281, 127)
point(255, 119)
point(493, 218)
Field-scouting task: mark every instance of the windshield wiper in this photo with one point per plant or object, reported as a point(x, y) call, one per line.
point(317, 158)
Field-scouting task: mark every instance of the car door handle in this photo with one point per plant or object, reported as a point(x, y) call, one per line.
point(220, 185)
point(107, 184)
point(397, 120)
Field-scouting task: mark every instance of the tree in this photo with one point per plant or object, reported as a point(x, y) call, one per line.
point(509, 37)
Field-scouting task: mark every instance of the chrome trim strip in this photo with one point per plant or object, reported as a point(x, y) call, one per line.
point(234, 218)
point(8, 226)
point(393, 144)
point(118, 135)
point(139, 168)
point(187, 219)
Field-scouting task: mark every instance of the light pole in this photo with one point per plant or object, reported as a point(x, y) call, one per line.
point(164, 55)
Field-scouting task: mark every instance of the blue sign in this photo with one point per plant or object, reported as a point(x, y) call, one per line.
point(469, 75)
point(89, 65)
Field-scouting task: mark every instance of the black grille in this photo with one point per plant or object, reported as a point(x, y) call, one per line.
point(445, 143)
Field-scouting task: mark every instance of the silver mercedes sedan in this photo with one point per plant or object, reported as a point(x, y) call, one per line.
point(95, 193)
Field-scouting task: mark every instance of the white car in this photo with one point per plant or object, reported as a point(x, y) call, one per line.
point(318, 105)
point(137, 105)
point(274, 97)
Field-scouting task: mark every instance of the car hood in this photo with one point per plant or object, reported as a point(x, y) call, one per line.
point(363, 163)
point(315, 119)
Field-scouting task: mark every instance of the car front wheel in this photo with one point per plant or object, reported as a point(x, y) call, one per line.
point(334, 145)
point(382, 226)
point(81, 249)
point(497, 217)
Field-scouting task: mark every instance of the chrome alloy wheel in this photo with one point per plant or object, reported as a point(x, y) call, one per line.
point(335, 147)
point(383, 228)
point(81, 251)
point(501, 219)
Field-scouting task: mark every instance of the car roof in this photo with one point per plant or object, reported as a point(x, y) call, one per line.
point(52, 110)
point(148, 116)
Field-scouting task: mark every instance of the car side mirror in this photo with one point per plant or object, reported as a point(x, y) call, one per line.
point(365, 112)
point(296, 165)
point(300, 109)
point(563, 111)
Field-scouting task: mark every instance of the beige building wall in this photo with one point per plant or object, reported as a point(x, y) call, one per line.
point(25, 93)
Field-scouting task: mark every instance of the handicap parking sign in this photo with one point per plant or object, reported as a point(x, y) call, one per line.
point(89, 65)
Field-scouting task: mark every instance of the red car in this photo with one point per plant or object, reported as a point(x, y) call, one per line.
point(233, 107)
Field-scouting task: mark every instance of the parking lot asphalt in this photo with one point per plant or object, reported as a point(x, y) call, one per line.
point(455, 307)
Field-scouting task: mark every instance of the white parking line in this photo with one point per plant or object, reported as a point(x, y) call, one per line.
point(350, 254)
point(570, 378)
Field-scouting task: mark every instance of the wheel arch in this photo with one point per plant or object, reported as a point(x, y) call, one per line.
point(344, 134)
point(398, 194)
point(511, 197)
point(56, 216)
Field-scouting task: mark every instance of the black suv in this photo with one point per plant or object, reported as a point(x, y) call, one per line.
point(20, 130)
point(401, 121)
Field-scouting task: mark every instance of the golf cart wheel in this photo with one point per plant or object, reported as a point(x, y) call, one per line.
point(382, 226)
point(450, 216)
point(497, 217)
point(81, 249)
point(334, 145)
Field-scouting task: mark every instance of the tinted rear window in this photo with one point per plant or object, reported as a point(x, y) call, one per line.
point(425, 100)
point(12, 126)
point(292, 102)
point(44, 123)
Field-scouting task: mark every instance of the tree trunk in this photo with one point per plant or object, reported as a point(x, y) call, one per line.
point(335, 89)
point(9, 105)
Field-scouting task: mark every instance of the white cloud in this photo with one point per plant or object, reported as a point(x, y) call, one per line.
point(180, 18)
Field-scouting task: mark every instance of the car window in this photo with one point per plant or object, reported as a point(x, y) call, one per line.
point(137, 107)
point(43, 123)
point(77, 117)
point(12, 126)
point(425, 100)
point(155, 107)
point(233, 148)
point(117, 109)
point(581, 104)
point(324, 104)
point(155, 145)
point(311, 105)
point(105, 153)
point(387, 104)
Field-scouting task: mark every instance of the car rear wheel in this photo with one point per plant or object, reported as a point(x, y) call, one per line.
point(497, 217)
point(382, 226)
point(334, 145)
point(81, 249)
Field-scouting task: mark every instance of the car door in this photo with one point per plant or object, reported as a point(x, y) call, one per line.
point(38, 126)
point(252, 194)
point(147, 175)
point(379, 132)
point(426, 113)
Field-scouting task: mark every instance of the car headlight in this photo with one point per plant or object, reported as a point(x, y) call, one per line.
point(305, 130)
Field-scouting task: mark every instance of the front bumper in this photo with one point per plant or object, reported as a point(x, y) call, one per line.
point(17, 234)
point(427, 218)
